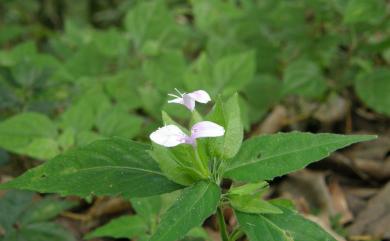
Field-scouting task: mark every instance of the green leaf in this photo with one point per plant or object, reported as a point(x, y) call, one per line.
point(233, 73)
point(45, 210)
point(166, 70)
point(252, 204)
point(82, 115)
point(67, 139)
point(304, 78)
point(149, 21)
point(362, 11)
point(268, 156)
point(194, 205)
point(293, 225)
point(24, 218)
point(40, 232)
point(79, 116)
point(118, 122)
point(177, 162)
point(120, 88)
point(107, 167)
point(41, 148)
point(374, 89)
point(87, 61)
point(111, 43)
point(262, 94)
point(258, 228)
point(172, 166)
point(197, 234)
point(29, 134)
point(227, 115)
point(122, 227)
point(199, 75)
point(86, 137)
point(249, 188)
point(148, 207)
point(13, 204)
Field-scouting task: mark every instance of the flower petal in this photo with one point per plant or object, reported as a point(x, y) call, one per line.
point(168, 136)
point(200, 96)
point(177, 101)
point(189, 102)
point(206, 129)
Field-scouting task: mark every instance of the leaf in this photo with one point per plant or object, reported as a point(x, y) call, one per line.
point(199, 74)
point(197, 234)
point(374, 89)
point(268, 156)
point(120, 88)
point(362, 11)
point(297, 226)
point(193, 206)
point(171, 165)
point(87, 61)
point(122, 227)
point(82, 115)
point(40, 232)
point(294, 225)
point(111, 43)
point(214, 16)
point(304, 78)
point(13, 203)
point(24, 218)
point(41, 148)
point(233, 73)
point(258, 228)
point(67, 139)
point(44, 210)
point(177, 162)
point(148, 207)
point(148, 21)
point(227, 115)
point(107, 167)
point(118, 122)
point(260, 101)
point(249, 188)
point(25, 133)
point(79, 116)
point(86, 137)
point(252, 204)
point(166, 70)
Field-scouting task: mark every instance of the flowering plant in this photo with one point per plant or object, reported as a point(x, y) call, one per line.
point(196, 162)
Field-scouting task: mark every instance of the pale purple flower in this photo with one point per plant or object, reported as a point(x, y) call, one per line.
point(188, 100)
point(172, 135)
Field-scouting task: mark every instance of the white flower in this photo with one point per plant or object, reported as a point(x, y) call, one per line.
point(171, 135)
point(188, 100)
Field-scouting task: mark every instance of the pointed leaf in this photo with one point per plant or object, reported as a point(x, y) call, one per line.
point(122, 227)
point(374, 89)
point(40, 232)
point(258, 228)
point(227, 115)
point(269, 156)
point(106, 167)
point(252, 204)
point(286, 226)
point(194, 205)
point(30, 134)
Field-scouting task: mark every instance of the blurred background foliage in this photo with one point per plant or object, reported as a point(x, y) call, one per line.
point(75, 71)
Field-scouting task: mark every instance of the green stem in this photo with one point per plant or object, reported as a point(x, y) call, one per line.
point(222, 225)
